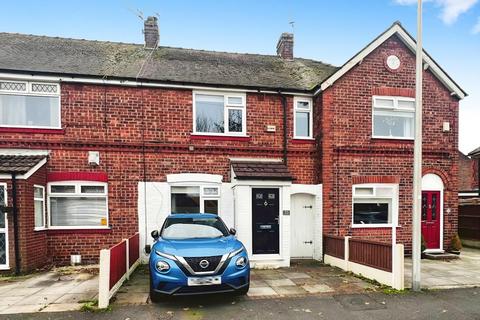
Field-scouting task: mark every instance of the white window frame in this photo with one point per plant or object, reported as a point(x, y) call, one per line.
point(77, 193)
point(28, 92)
point(395, 107)
point(43, 207)
point(227, 107)
point(374, 196)
point(5, 266)
point(202, 194)
point(310, 117)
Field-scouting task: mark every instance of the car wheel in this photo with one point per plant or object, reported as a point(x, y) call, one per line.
point(243, 291)
point(154, 296)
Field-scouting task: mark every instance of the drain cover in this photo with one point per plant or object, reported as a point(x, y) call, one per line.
point(358, 302)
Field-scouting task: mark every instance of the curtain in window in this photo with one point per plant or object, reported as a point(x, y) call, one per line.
point(38, 111)
point(78, 211)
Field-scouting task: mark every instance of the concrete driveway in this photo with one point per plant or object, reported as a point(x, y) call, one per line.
point(63, 289)
point(460, 273)
point(303, 278)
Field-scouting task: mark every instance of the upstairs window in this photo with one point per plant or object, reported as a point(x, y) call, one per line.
point(302, 118)
point(393, 117)
point(78, 205)
point(29, 104)
point(219, 114)
point(374, 205)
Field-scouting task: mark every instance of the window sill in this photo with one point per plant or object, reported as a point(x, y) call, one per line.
point(393, 139)
point(32, 130)
point(196, 136)
point(79, 231)
point(40, 229)
point(303, 141)
point(4, 268)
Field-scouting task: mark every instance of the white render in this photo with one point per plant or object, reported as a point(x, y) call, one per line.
point(235, 208)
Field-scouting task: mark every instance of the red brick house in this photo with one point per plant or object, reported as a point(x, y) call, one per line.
point(468, 176)
point(100, 140)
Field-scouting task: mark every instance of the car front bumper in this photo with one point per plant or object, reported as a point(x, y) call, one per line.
point(175, 281)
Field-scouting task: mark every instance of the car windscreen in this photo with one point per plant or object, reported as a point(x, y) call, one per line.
point(191, 228)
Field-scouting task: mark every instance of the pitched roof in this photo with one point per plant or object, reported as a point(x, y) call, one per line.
point(52, 55)
point(410, 42)
point(475, 153)
point(261, 170)
point(18, 164)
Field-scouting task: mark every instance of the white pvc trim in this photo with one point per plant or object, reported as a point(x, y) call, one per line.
point(5, 266)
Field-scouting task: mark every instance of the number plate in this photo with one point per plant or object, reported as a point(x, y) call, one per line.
point(204, 281)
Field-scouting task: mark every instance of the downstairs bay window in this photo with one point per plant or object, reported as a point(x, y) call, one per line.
point(29, 105)
point(375, 205)
point(393, 117)
point(219, 114)
point(76, 205)
point(195, 199)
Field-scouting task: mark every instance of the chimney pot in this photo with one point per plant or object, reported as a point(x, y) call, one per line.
point(150, 31)
point(285, 46)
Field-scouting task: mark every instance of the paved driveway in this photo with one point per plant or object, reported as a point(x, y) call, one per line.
point(461, 273)
point(60, 290)
point(301, 279)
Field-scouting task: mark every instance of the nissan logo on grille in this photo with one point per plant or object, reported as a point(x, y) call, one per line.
point(204, 264)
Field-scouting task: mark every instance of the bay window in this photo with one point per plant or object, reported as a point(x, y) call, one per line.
point(194, 199)
point(375, 205)
point(29, 105)
point(219, 114)
point(393, 117)
point(78, 204)
point(302, 118)
point(39, 206)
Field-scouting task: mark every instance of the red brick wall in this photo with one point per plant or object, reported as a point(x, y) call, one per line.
point(348, 149)
point(113, 120)
point(467, 174)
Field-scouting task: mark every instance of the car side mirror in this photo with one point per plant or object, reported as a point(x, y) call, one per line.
point(233, 231)
point(155, 235)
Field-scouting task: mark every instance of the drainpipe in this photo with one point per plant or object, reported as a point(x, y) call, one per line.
point(284, 104)
point(15, 224)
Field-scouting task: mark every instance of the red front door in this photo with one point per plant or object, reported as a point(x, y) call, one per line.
point(431, 219)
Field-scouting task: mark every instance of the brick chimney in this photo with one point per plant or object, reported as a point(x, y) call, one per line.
point(285, 46)
point(150, 31)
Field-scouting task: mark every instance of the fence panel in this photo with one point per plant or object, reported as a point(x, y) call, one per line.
point(133, 249)
point(371, 253)
point(334, 246)
point(118, 262)
point(469, 222)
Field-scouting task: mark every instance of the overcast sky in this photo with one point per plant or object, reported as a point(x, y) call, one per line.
point(330, 31)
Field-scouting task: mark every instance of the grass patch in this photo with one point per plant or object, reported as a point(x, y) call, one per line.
point(92, 306)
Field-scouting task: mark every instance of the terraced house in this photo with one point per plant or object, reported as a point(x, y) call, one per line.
point(99, 140)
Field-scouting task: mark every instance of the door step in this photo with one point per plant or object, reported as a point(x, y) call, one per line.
point(441, 256)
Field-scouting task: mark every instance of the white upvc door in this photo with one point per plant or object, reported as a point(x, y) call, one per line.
point(302, 224)
point(3, 229)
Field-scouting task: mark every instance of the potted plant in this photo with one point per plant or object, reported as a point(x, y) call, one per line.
point(455, 244)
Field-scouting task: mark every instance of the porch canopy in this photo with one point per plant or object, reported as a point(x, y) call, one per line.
point(20, 164)
point(258, 170)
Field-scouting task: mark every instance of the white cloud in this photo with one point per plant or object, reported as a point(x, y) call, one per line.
point(476, 28)
point(451, 9)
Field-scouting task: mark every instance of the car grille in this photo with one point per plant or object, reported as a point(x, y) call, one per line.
point(204, 289)
point(194, 263)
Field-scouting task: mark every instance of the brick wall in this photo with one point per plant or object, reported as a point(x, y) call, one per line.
point(348, 150)
point(114, 120)
point(468, 175)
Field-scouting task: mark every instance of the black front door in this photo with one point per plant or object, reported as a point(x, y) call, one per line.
point(265, 207)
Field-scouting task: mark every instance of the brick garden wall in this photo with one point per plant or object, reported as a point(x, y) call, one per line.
point(348, 150)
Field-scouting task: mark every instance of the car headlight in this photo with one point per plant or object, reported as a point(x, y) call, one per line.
point(241, 262)
point(165, 255)
point(162, 266)
point(234, 253)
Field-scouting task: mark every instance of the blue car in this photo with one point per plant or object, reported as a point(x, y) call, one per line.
point(197, 254)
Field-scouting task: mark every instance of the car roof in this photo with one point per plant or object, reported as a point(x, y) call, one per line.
point(192, 215)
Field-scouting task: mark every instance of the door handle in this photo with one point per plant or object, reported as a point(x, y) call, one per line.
point(308, 242)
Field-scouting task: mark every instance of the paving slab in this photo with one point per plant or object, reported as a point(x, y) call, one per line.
point(261, 292)
point(280, 282)
point(289, 291)
point(317, 288)
point(62, 307)
point(296, 275)
point(23, 309)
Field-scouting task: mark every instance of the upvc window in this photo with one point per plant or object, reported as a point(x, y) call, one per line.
point(219, 114)
point(302, 118)
point(393, 117)
point(375, 205)
point(195, 199)
point(76, 204)
point(39, 206)
point(29, 104)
